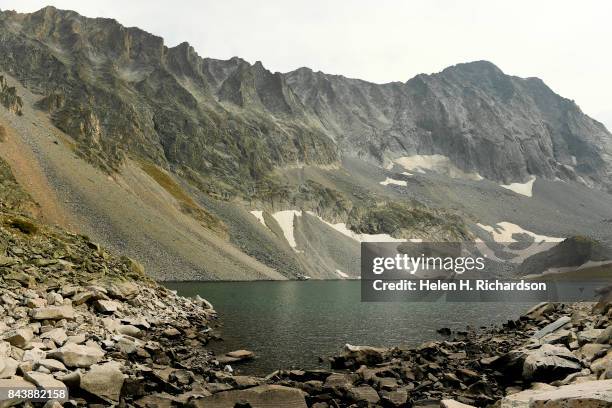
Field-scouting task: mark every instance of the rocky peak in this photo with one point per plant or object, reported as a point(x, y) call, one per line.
point(505, 128)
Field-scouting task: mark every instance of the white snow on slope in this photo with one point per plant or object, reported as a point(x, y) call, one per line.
point(343, 229)
point(285, 221)
point(503, 231)
point(342, 274)
point(435, 162)
point(525, 189)
point(259, 216)
point(393, 181)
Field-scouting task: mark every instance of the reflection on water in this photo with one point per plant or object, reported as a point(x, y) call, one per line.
point(292, 324)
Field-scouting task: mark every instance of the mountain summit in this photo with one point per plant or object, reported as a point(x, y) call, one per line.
point(103, 82)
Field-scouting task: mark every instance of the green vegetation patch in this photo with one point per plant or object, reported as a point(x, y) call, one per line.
point(188, 205)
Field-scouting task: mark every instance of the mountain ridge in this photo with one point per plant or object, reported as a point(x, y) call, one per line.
point(299, 110)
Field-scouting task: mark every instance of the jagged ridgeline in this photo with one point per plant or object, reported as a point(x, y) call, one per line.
point(227, 124)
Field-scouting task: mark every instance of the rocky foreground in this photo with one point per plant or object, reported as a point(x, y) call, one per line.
point(75, 318)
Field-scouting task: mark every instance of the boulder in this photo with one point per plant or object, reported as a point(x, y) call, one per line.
point(241, 355)
point(104, 380)
point(36, 302)
point(589, 394)
point(262, 396)
point(540, 310)
point(34, 355)
point(82, 297)
point(8, 367)
point(395, 398)
point(13, 383)
point(19, 337)
point(172, 332)
point(363, 393)
point(58, 336)
point(46, 381)
point(52, 313)
point(50, 364)
point(355, 356)
point(589, 336)
point(602, 364)
point(106, 306)
point(591, 351)
point(203, 302)
point(550, 328)
point(549, 363)
point(340, 383)
point(605, 337)
point(75, 355)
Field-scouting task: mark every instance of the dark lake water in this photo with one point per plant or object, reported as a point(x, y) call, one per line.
point(292, 324)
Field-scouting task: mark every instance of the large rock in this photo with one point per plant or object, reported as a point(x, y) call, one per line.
point(591, 351)
point(52, 313)
point(356, 356)
point(549, 363)
point(106, 306)
point(590, 394)
point(589, 336)
point(263, 396)
point(540, 310)
point(104, 380)
point(50, 364)
point(58, 336)
point(19, 337)
point(550, 328)
point(75, 355)
point(13, 383)
point(340, 383)
point(8, 367)
point(605, 337)
point(241, 354)
point(48, 382)
point(363, 393)
point(396, 398)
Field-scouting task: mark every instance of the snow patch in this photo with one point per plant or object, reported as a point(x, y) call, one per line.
point(259, 216)
point(344, 230)
point(393, 181)
point(285, 221)
point(525, 189)
point(503, 231)
point(341, 274)
point(435, 162)
point(405, 173)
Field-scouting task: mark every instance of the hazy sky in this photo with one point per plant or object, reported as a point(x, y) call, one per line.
point(565, 43)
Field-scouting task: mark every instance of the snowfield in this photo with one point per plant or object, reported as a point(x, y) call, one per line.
point(525, 189)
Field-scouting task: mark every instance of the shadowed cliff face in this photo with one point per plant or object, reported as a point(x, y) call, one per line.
point(227, 124)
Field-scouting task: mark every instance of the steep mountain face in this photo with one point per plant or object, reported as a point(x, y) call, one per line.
point(504, 128)
point(211, 169)
point(118, 89)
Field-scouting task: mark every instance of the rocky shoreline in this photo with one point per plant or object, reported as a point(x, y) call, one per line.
point(76, 318)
